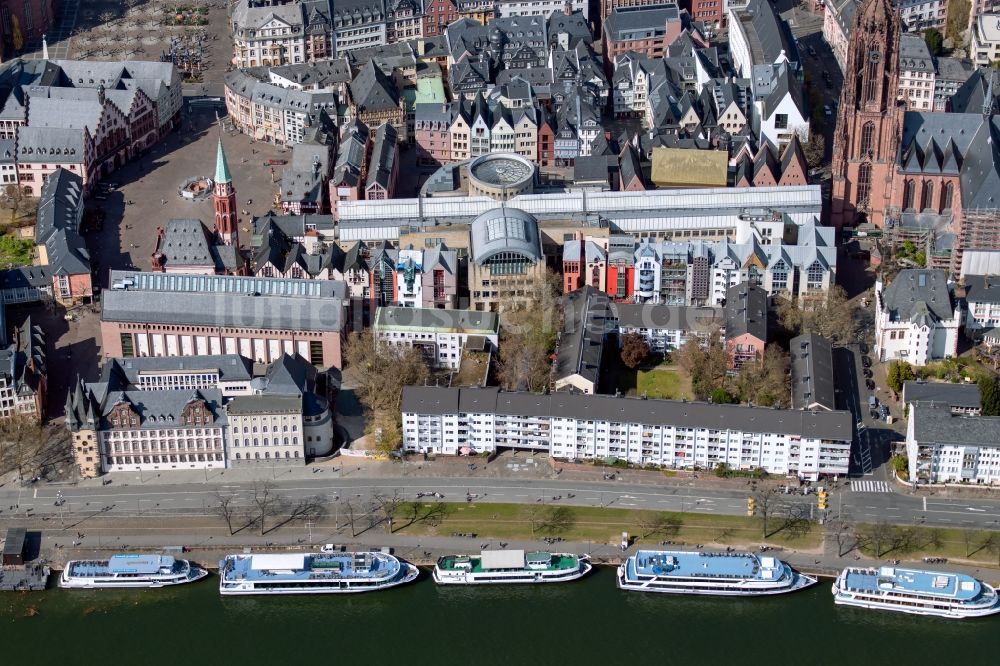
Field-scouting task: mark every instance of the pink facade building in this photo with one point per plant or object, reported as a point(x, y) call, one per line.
point(163, 314)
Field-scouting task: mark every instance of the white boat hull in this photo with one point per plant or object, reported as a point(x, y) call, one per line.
point(519, 579)
point(77, 583)
point(248, 589)
point(954, 613)
point(951, 615)
point(801, 582)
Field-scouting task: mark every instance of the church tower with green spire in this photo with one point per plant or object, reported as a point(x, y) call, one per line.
point(224, 196)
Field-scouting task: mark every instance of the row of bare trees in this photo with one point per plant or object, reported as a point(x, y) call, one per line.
point(266, 510)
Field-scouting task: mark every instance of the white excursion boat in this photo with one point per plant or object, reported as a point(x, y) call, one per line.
point(709, 573)
point(129, 570)
point(916, 591)
point(312, 573)
point(510, 566)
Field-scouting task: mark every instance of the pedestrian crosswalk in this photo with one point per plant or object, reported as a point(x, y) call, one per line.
point(862, 486)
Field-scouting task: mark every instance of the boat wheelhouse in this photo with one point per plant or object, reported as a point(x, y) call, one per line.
point(916, 591)
point(709, 573)
point(510, 566)
point(312, 573)
point(129, 570)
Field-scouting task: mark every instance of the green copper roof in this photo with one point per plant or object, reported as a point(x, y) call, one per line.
point(221, 167)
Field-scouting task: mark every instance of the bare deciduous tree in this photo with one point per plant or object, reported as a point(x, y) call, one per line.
point(225, 507)
point(877, 536)
point(663, 524)
point(386, 507)
point(767, 503)
point(21, 437)
point(266, 503)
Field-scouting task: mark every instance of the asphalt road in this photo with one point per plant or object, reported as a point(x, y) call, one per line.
point(197, 499)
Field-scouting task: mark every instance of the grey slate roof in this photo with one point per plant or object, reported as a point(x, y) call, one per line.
point(294, 226)
point(940, 426)
point(669, 317)
point(25, 277)
point(746, 311)
point(918, 295)
point(453, 321)
point(59, 211)
point(318, 74)
point(125, 372)
point(811, 359)
point(767, 33)
point(629, 23)
point(50, 144)
point(372, 90)
point(586, 315)
point(60, 204)
point(982, 288)
point(384, 155)
point(914, 55)
point(304, 186)
point(264, 404)
point(432, 400)
point(158, 409)
point(220, 309)
point(186, 243)
point(971, 96)
point(965, 396)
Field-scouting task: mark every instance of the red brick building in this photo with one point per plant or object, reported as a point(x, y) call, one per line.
point(438, 15)
point(869, 119)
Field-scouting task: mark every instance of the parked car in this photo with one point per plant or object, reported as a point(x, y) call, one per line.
point(866, 362)
point(870, 384)
point(872, 402)
point(863, 347)
point(275, 162)
point(883, 413)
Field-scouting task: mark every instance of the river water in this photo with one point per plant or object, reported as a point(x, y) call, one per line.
point(585, 622)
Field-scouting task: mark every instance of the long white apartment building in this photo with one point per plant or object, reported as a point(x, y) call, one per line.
point(441, 334)
point(944, 447)
point(679, 435)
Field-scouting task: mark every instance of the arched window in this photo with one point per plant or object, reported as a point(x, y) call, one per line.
point(909, 191)
point(928, 198)
point(946, 194)
point(867, 138)
point(864, 184)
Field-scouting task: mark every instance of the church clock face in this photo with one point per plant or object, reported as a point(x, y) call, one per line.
point(874, 56)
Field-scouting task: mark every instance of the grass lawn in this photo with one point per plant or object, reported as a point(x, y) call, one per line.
point(982, 546)
point(527, 521)
point(14, 251)
point(661, 381)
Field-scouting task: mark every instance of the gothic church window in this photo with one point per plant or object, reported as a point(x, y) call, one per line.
point(864, 184)
point(867, 138)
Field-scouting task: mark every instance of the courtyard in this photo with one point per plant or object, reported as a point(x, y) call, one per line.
point(664, 381)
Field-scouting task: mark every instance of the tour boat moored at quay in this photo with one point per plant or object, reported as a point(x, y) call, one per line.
point(312, 573)
point(916, 591)
point(709, 573)
point(492, 567)
point(129, 570)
